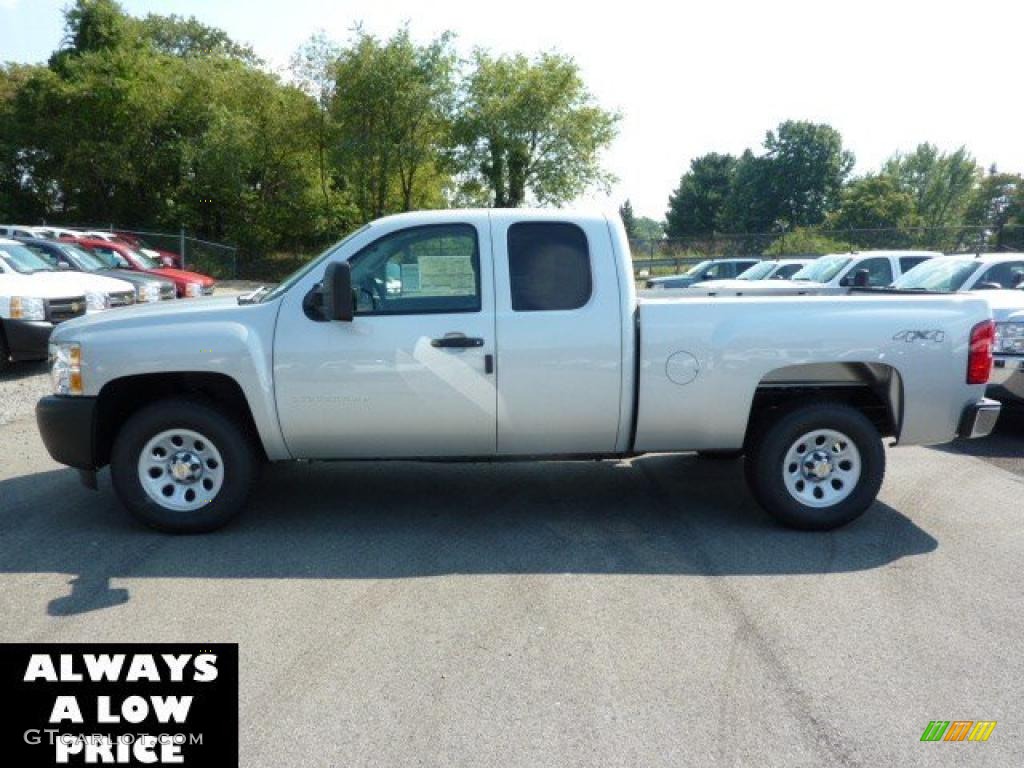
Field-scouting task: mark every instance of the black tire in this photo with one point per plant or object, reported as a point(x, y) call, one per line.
point(232, 443)
point(766, 462)
point(720, 455)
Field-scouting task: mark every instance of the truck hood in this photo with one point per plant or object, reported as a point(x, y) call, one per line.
point(192, 314)
point(31, 285)
point(183, 276)
point(136, 278)
point(1003, 303)
point(76, 283)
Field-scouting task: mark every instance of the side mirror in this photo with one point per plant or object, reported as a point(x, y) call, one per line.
point(708, 275)
point(63, 266)
point(336, 292)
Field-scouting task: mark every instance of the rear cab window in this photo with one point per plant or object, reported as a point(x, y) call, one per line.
point(549, 266)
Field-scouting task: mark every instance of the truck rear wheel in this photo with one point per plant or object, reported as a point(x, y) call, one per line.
point(816, 467)
point(183, 467)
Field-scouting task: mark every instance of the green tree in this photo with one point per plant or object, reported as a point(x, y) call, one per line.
point(991, 201)
point(795, 182)
point(648, 229)
point(313, 68)
point(96, 25)
point(874, 202)
point(628, 219)
point(808, 166)
point(940, 183)
point(531, 128)
point(392, 108)
point(695, 206)
point(179, 36)
point(752, 204)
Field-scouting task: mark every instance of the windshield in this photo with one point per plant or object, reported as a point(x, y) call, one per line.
point(82, 258)
point(697, 269)
point(759, 271)
point(946, 275)
point(305, 269)
point(147, 261)
point(822, 270)
point(21, 259)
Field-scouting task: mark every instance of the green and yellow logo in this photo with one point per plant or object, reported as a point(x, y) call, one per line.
point(958, 730)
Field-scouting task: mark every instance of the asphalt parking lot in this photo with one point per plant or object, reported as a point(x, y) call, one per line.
point(638, 613)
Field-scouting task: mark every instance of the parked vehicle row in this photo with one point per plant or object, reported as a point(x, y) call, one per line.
point(998, 276)
point(165, 257)
point(46, 280)
point(709, 269)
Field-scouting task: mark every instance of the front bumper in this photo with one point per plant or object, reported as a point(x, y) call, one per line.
point(979, 419)
point(1006, 382)
point(28, 339)
point(68, 429)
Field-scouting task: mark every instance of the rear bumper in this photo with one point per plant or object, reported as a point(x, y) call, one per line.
point(67, 426)
point(1007, 380)
point(28, 339)
point(979, 419)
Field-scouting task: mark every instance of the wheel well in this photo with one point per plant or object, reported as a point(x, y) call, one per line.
point(121, 398)
point(874, 389)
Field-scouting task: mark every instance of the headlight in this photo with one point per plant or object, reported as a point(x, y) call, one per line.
point(193, 289)
point(149, 292)
point(1009, 339)
point(27, 308)
point(66, 368)
point(96, 302)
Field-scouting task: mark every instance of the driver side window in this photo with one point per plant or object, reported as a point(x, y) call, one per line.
point(879, 271)
point(428, 269)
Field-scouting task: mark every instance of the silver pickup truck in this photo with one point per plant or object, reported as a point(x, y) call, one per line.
point(504, 335)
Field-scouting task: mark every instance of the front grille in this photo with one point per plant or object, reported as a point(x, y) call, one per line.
point(59, 310)
point(168, 291)
point(125, 299)
point(207, 290)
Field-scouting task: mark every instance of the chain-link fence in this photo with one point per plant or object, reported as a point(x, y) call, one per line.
point(672, 255)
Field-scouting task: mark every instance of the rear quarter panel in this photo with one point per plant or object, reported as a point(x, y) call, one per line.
point(734, 343)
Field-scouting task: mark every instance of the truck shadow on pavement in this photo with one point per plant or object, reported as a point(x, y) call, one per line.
point(673, 515)
point(1005, 442)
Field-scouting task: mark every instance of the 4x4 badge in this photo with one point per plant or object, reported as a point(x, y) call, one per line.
point(911, 336)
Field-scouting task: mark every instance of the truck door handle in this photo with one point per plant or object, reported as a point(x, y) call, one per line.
point(457, 341)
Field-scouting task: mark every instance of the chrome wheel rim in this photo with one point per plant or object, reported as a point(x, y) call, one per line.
point(821, 468)
point(181, 470)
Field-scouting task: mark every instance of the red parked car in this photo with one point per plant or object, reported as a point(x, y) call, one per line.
point(122, 256)
point(167, 258)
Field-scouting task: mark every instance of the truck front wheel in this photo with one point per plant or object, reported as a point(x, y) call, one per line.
point(816, 467)
point(181, 466)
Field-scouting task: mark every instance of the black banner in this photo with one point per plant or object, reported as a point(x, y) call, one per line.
point(119, 704)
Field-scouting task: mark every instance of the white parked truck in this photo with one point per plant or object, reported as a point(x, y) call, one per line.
point(34, 296)
point(501, 335)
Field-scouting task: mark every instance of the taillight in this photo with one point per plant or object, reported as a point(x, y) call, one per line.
point(979, 359)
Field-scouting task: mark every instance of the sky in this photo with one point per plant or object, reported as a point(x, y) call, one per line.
point(688, 77)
